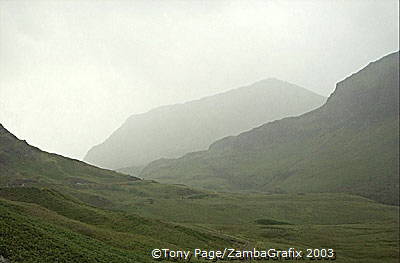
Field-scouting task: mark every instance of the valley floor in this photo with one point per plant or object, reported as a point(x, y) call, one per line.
point(42, 225)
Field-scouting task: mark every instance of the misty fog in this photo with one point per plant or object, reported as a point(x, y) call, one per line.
point(71, 72)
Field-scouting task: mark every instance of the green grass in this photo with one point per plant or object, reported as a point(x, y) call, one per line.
point(176, 203)
point(35, 221)
point(28, 238)
point(344, 222)
point(267, 221)
point(41, 225)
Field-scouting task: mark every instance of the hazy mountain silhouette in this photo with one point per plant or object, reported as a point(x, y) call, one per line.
point(172, 131)
point(350, 144)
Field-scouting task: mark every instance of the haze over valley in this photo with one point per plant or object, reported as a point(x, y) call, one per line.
point(72, 72)
point(142, 131)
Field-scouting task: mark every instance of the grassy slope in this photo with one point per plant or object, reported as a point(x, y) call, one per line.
point(310, 220)
point(357, 228)
point(44, 225)
point(22, 163)
point(41, 225)
point(181, 204)
point(31, 239)
point(348, 145)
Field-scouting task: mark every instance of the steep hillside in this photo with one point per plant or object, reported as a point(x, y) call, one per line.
point(350, 144)
point(175, 130)
point(22, 165)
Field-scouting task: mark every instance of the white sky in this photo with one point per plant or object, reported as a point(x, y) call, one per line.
point(71, 72)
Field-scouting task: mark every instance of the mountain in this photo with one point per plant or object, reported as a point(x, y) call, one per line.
point(55, 209)
point(172, 131)
point(350, 144)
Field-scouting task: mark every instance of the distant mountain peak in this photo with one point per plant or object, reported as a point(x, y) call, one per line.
point(174, 130)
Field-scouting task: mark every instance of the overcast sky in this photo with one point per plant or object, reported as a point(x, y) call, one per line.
point(71, 72)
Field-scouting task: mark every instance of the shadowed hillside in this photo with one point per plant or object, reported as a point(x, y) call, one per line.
point(350, 144)
point(23, 165)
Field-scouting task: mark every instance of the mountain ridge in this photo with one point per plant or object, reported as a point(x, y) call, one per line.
point(173, 130)
point(358, 121)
